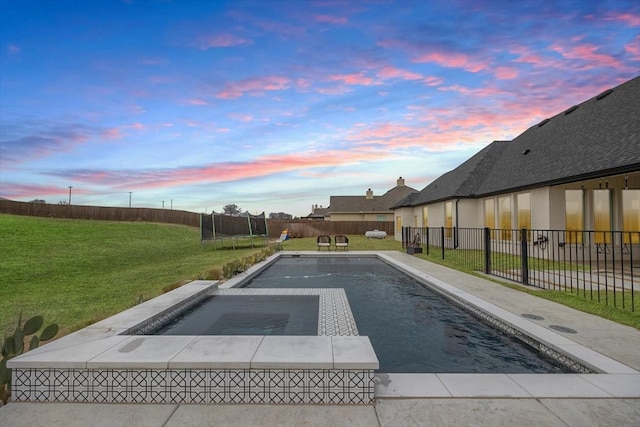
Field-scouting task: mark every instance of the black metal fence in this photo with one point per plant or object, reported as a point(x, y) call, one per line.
point(598, 265)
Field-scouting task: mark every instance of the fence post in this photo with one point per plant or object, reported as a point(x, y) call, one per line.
point(455, 237)
point(487, 250)
point(442, 240)
point(524, 256)
point(427, 232)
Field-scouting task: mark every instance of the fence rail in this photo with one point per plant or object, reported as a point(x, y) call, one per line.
point(300, 228)
point(598, 265)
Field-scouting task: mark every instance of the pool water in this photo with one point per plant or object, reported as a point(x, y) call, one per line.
point(248, 315)
point(412, 328)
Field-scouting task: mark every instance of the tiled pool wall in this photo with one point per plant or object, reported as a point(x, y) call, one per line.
point(114, 361)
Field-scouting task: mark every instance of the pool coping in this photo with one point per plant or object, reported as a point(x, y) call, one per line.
point(615, 379)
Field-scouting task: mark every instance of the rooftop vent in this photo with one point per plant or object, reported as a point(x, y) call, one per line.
point(604, 94)
point(571, 109)
point(542, 123)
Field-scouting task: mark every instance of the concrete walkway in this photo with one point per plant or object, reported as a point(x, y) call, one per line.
point(618, 342)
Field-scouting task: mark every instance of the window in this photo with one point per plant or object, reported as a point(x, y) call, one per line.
point(398, 224)
point(448, 219)
point(602, 216)
point(573, 215)
point(425, 216)
point(490, 216)
point(524, 211)
point(381, 218)
point(504, 217)
point(631, 215)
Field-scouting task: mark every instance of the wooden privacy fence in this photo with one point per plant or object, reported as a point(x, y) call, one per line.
point(101, 213)
point(299, 228)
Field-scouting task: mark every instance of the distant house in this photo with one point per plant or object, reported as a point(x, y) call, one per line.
point(318, 213)
point(578, 170)
point(368, 207)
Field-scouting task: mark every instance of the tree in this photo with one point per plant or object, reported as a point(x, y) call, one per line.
point(40, 201)
point(280, 215)
point(232, 209)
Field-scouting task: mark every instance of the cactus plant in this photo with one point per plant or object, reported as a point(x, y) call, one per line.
point(13, 345)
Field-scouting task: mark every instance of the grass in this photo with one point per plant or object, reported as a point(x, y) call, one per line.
point(75, 272)
point(604, 307)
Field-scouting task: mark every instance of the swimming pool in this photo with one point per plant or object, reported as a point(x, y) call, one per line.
point(412, 328)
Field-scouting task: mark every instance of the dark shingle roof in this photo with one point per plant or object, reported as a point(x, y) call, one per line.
point(600, 137)
point(343, 204)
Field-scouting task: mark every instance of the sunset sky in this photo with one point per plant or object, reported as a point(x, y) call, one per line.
point(277, 105)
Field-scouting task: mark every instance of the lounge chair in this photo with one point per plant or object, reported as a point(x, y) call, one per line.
point(324, 241)
point(341, 242)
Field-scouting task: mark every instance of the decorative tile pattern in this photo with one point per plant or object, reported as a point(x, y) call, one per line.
point(272, 386)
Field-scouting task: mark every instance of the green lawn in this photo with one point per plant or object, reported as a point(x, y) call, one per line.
point(76, 272)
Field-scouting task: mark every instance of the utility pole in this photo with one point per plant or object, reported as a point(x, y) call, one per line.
point(129, 198)
point(171, 204)
point(163, 204)
point(70, 187)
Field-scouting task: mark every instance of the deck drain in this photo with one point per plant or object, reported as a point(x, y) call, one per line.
point(532, 316)
point(563, 329)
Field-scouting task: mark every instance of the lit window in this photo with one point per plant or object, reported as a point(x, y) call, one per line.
point(381, 217)
point(631, 215)
point(602, 215)
point(524, 211)
point(574, 215)
point(504, 216)
point(490, 216)
point(398, 224)
point(425, 216)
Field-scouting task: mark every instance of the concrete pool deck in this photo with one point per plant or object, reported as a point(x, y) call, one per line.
point(426, 399)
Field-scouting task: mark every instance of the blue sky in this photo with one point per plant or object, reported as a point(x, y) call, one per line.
point(277, 105)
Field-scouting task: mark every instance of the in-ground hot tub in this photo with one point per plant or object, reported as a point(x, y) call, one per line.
point(106, 363)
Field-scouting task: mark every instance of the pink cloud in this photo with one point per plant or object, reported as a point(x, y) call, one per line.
point(628, 18)
point(506, 73)
point(526, 56)
point(32, 191)
point(225, 171)
point(255, 86)
point(587, 53)
point(13, 49)
point(433, 81)
point(222, 40)
point(330, 19)
point(451, 60)
point(633, 48)
point(197, 101)
point(389, 72)
point(113, 133)
point(358, 79)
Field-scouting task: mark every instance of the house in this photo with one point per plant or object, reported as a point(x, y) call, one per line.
point(318, 213)
point(577, 170)
point(368, 207)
